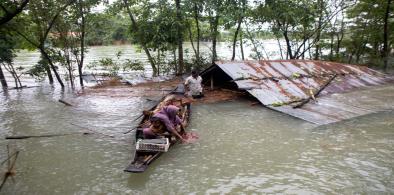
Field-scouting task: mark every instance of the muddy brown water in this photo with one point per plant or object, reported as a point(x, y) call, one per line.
point(242, 149)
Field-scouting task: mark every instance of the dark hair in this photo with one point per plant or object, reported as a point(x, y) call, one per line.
point(194, 71)
point(154, 119)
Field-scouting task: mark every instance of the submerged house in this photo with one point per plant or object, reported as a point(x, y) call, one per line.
point(315, 91)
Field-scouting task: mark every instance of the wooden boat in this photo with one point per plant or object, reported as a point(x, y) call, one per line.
point(142, 159)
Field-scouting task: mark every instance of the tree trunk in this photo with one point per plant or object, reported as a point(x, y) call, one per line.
point(59, 79)
point(350, 57)
point(158, 62)
point(359, 52)
point(214, 38)
point(236, 36)
point(386, 49)
point(70, 68)
point(331, 45)
point(2, 79)
point(174, 55)
point(144, 47)
point(280, 48)
point(319, 28)
point(340, 38)
point(180, 37)
point(250, 37)
point(83, 24)
point(288, 44)
point(198, 32)
point(303, 53)
point(241, 44)
point(11, 70)
point(191, 40)
point(50, 77)
point(9, 15)
point(15, 80)
point(19, 80)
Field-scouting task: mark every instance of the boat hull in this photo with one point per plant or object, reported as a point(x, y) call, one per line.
point(143, 159)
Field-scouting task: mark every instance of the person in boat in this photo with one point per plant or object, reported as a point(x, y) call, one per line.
point(166, 120)
point(169, 100)
point(193, 85)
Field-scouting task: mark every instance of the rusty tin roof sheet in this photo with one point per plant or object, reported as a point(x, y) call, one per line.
point(278, 84)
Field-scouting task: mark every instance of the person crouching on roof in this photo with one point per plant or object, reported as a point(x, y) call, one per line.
point(166, 119)
point(193, 85)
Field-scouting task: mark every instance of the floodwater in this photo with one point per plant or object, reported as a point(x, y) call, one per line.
point(242, 149)
point(27, 59)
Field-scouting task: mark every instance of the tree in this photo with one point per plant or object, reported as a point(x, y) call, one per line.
point(7, 46)
point(386, 49)
point(2, 79)
point(72, 29)
point(140, 36)
point(179, 36)
point(193, 12)
point(43, 16)
point(237, 13)
point(367, 43)
point(10, 9)
point(82, 13)
point(197, 9)
point(214, 9)
point(6, 54)
point(300, 23)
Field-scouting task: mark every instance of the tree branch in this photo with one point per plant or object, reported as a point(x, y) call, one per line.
point(52, 22)
point(9, 15)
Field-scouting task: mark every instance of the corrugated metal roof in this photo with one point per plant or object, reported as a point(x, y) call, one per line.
point(279, 84)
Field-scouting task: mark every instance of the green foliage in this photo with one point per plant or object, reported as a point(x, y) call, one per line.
point(353, 35)
point(365, 40)
point(113, 67)
point(132, 65)
point(278, 104)
point(157, 26)
point(38, 71)
point(106, 28)
point(6, 47)
point(296, 75)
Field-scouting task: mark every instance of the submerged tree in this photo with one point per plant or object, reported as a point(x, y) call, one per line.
point(6, 55)
point(369, 37)
point(139, 35)
point(215, 9)
point(69, 37)
point(9, 10)
point(6, 60)
point(386, 45)
point(179, 36)
point(42, 17)
point(193, 12)
point(82, 12)
point(299, 23)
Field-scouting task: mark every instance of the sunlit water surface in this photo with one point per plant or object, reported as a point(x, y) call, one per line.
point(242, 149)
